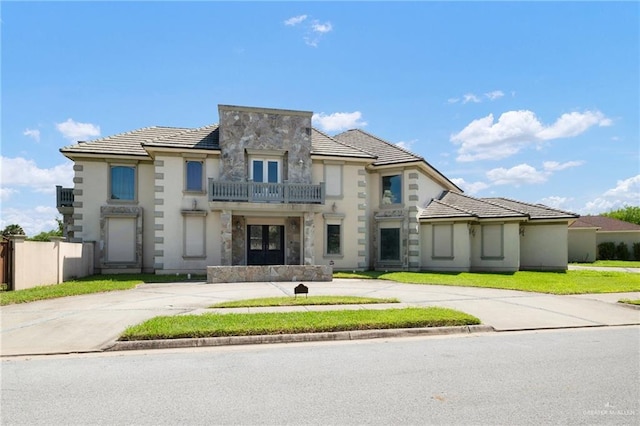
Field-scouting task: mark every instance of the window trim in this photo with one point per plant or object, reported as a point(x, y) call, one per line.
point(483, 238)
point(110, 199)
point(397, 261)
point(324, 171)
point(265, 159)
point(202, 190)
point(450, 256)
point(392, 174)
point(333, 219)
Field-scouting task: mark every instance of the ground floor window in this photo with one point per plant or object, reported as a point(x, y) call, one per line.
point(442, 243)
point(390, 244)
point(334, 245)
point(493, 241)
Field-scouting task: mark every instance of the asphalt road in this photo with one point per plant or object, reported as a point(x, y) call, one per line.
point(578, 376)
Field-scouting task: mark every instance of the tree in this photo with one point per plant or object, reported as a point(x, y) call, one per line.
point(46, 235)
point(629, 214)
point(13, 229)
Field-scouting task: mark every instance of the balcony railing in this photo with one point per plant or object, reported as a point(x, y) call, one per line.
point(64, 197)
point(259, 192)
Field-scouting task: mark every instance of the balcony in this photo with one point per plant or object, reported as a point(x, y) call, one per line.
point(259, 192)
point(64, 197)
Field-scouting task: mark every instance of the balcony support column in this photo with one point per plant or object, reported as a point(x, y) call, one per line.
point(226, 232)
point(309, 238)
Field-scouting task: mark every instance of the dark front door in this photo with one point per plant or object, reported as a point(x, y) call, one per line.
point(266, 245)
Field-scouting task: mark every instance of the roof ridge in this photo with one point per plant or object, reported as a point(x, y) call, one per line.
point(487, 201)
point(456, 207)
point(534, 205)
point(106, 138)
point(184, 130)
point(394, 145)
point(344, 143)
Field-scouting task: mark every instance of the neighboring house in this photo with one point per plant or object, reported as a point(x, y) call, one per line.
point(588, 231)
point(264, 187)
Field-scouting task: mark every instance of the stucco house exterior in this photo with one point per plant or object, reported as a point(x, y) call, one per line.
point(588, 231)
point(263, 187)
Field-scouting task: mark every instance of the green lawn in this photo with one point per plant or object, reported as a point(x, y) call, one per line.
point(569, 282)
point(612, 263)
point(302, 301)
point(87, 285)
point(216, 325)
point(630, 301)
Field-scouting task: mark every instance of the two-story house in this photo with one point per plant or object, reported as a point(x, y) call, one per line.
point(263, 187)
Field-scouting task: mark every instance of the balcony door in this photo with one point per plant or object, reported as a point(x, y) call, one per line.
point(265, 245)
point(266, 174)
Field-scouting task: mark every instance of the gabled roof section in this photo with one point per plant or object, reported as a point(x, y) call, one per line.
point(201, 138)
point(385, 152)
point(323, 144)
point(535, 211)
point(129, 143)
point(604, 224)
point(459, 206)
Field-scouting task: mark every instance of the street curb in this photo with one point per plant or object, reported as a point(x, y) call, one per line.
point(292, 338)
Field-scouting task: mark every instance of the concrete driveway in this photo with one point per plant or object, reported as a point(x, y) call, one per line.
point(92, 322)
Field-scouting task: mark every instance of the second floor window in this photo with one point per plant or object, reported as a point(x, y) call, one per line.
point(194, 176)
point(392, 189)
point(123, 183)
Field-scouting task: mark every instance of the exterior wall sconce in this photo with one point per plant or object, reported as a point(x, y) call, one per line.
point(522, 231)
point(194, 204)
point(238, 225)
point(472, 231)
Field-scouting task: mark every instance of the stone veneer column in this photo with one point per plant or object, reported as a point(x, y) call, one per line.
point(363, 223)
point(309, 238)
point(226, 234)
point(158, 215)
point(414, 225)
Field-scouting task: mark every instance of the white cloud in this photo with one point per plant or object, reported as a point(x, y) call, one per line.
point(496, 94)
point(317, 27)
point(452, 100)
point(32, 133)
point(407, 144)
point(76, 131)
point(295, 20)
point(556, 202)
point(24, 172)
point(470, 187)
point(554, 166)
point(6, 193)
point(484, 139)
point(34, 221)
point(470, 97)
point(517, 175)
point(338, 121)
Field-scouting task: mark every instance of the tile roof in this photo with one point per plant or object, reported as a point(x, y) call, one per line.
point(323, 144)
point(201, 138)
point(604, 223)
point(453, 206)
point(128, 143)
point(385, 152)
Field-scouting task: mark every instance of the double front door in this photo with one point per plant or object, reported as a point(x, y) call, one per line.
point(266, 245)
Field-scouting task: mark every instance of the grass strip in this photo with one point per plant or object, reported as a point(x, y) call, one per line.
point(630, 301)
point(568, 282)
point(612, 263)
point(302, 301)
point(218, 325)
point(86, 285)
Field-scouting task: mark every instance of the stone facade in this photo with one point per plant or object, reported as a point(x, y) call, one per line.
point(254, 130)
point(291, 273)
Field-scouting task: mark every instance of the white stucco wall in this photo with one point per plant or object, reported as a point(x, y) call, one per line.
point(429, 189)
point(172, 224)
point(582, 244)
point(94, 187)
point(510, 260)
point(461, 260)
point(146, 198)
point(544, 246)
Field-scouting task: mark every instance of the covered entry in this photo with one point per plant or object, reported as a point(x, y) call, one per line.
point(265, 245)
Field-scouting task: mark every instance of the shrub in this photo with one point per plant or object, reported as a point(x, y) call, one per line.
point(636, 251)
point(622, 251)
point(606, 251)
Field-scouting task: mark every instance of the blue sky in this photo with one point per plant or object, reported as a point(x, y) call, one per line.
point(533, 101)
